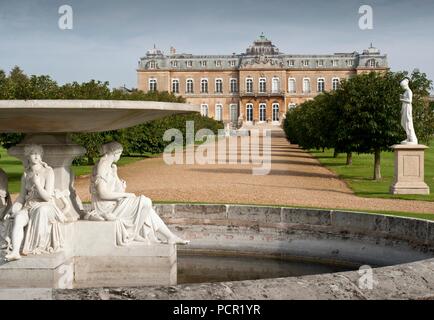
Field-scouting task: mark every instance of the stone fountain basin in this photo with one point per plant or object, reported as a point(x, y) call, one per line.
point(59, 116)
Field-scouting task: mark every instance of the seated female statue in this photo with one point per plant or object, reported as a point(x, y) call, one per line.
point(135, 218)
point(35, 208)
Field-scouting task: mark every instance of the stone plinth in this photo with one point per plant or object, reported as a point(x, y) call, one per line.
point(409, 170)
point(92, 259)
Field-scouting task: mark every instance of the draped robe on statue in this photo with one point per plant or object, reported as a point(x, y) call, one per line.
point(43, 232)
point(133, 216)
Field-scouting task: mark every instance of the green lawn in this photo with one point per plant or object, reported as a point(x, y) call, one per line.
point(359, 175)
point(14, 168)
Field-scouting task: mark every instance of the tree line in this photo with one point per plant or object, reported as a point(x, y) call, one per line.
point(141, 139)
point(362, 116)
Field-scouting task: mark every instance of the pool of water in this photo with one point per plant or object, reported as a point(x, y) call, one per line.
point(199, 268)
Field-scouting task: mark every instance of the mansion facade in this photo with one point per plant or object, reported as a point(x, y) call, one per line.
point(257, 86)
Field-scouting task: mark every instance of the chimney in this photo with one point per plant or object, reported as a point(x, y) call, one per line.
point(172, 50)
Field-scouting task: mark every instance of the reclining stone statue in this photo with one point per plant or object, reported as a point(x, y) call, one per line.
point(134, 216)
point(35, 209)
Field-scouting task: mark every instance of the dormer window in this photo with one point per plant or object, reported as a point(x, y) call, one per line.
point(291, 63)
point(189, 63)
point(203, 63)
point(350, 63)
point(305, 63)
point(335, 63)
point(371, 63)
point(218, 63)
point(152, 65)
point(174, 64)
point(232, 63)
point(320, 63)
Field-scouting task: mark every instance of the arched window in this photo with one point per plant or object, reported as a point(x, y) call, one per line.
point(249, 85)
point(262, 85)
point(204, 110)
point(204, 86)
point(218, 112)
point(234, 86)
point(189, 86)
point(234, 112)
point(275, 112)
point(291, 85)
point(335, 83)
point(306, 85)
point(152, 84)
point(275, 85)
point(219, 86)
point(262, 112)
point(175, 86)
point(249, 112)
point(320, 84)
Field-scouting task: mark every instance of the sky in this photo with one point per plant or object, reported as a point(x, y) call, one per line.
point(109, 37)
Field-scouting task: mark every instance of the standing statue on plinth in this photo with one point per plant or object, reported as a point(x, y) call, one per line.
point(134, 216)
point(35, 209)
point(407, 113)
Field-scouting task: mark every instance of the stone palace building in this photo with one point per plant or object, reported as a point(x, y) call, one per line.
point(257, 86)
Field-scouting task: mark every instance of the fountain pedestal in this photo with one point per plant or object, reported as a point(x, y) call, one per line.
point(91, 259)
point(59, 152)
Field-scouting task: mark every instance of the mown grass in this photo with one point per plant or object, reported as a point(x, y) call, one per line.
point(359, 175)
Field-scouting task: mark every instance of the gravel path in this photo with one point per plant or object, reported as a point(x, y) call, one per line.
point(295, 179)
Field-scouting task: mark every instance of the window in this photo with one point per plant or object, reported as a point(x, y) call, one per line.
point(203, 63)
point(320, 84)
point(232, 63)
point(262, 85)
point(291, 63)
point(291, 85)
point(372, 63)
point(219, 86)
point(189, 63)
point(152, 85)
point(234, 85)
point(275, 112)
point(174, 64)
point(306, 85)
point(291, 106)
point(275, 85)
point(349, 63)
point(189, 86)
point(305, 63)
point(249, 112)
point(320, 63)
point(262, 112)
point(152, 65)
point(249, 85)
point(204, 86)
point(175, 86)
point(335, 63)
point(234, 113)
point(335, 83)
point(218, 63)
point(204, 110)
point(218, 112)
